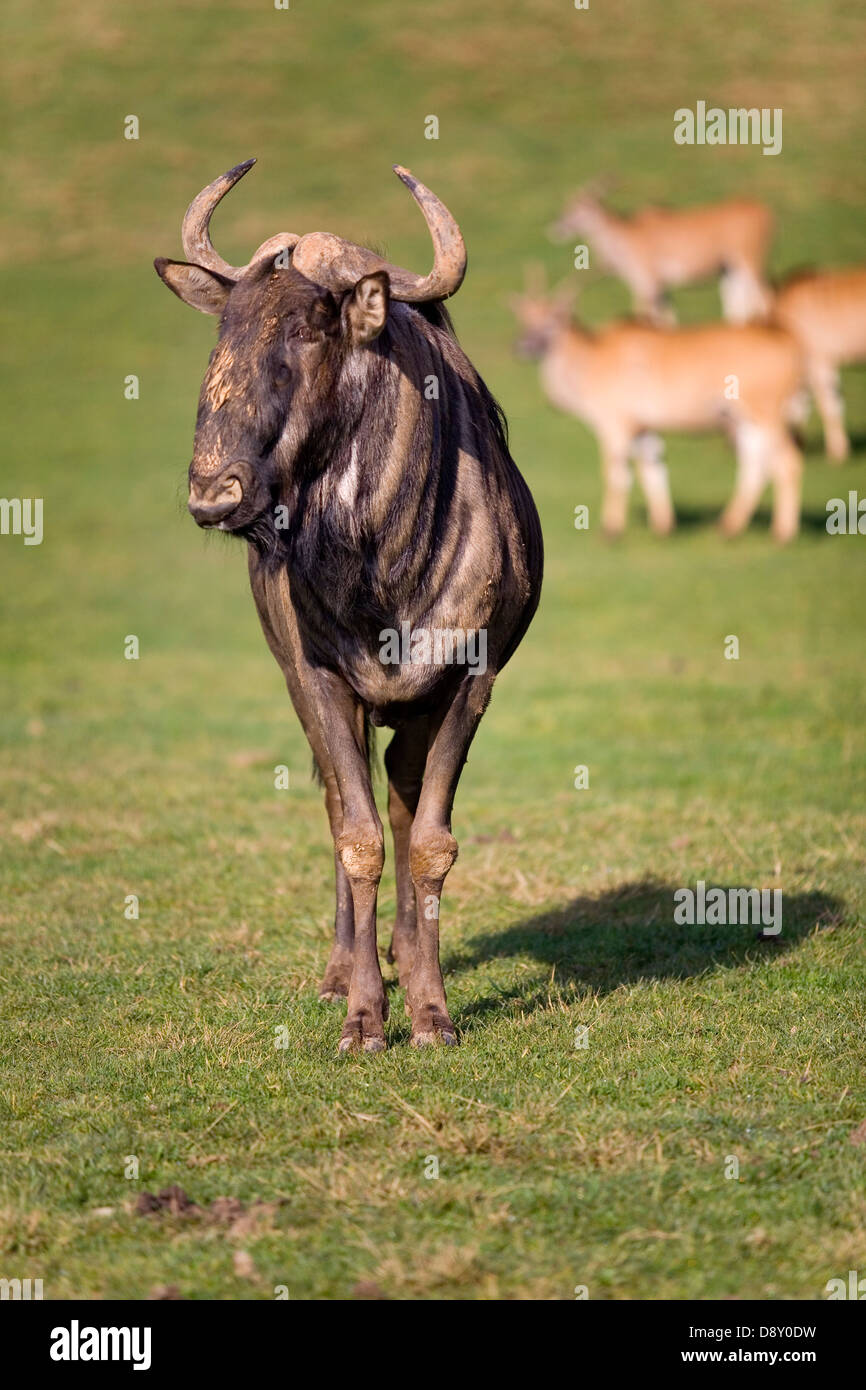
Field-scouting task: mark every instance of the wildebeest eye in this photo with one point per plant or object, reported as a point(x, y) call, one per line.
point(299, 333)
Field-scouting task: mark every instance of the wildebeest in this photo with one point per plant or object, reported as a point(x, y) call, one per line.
point(658, 249)
point(343, 433)
point(629, 381)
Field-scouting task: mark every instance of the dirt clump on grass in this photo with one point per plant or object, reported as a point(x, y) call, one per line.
point(229, 1212)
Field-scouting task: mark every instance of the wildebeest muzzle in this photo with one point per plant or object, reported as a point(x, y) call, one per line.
point(229, 498)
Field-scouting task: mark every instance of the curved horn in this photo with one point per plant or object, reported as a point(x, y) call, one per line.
point(329, 260)
point(449, 249)
point(338, 264)
point(195, 235)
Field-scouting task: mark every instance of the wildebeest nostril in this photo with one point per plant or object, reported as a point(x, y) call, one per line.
point(210, 508)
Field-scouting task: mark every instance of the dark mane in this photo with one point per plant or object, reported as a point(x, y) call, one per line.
point(439, 317)
point(436, 313)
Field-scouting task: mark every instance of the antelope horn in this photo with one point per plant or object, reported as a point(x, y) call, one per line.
point(337, 264)
point(197, 246)
point(449, 248)
point(195, 233)
point(329, 260)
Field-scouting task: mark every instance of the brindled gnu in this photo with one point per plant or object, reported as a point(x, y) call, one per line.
point(345, 436)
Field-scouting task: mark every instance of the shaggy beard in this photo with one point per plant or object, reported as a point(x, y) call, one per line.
point(262, 533)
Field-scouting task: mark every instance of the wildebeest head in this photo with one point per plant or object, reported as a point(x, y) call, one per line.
point(289, 320)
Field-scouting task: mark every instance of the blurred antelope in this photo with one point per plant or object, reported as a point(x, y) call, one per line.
point(826, 313)
point(629, 380)
point(658, 249)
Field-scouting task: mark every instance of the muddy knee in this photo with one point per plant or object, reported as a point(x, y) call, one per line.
point(431, 854)
point(362, 853)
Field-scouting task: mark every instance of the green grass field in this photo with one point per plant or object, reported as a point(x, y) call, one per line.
point(558, 1166)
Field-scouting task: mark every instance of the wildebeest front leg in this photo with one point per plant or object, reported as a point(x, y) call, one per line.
point(404, 760)
point(432, 851)
point(288, 653)
point(360, 847)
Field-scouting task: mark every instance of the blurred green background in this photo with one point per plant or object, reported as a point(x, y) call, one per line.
point(154, 1038)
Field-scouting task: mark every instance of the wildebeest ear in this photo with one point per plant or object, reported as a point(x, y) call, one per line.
point(366, 307)
point(199, 288)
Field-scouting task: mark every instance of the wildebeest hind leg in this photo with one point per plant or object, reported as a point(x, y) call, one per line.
point(404, 762)
point(432, 851)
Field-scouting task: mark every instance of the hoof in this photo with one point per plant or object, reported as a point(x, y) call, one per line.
point(364, 1032)
point(436, 1036)
point(431, 1026)
point(337, 976)
point(332, 993)
point(355, 1044)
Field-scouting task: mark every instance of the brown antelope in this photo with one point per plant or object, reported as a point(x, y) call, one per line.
point(825, 310)
point(658, 249)
point(630, 380)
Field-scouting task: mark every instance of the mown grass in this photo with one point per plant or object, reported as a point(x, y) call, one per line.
point(559, 1165)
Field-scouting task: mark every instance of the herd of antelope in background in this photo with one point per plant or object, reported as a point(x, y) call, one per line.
point(750, 376)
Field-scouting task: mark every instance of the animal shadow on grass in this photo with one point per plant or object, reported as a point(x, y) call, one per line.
point(596, 944)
